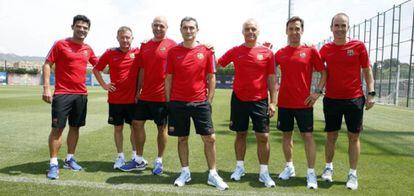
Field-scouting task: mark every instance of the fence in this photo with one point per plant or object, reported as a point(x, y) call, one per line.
point(388, 37)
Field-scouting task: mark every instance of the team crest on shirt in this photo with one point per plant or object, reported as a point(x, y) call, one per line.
point(350, 52)
point(85, 53)
point(302, 55)
point(260, 57)
point(163, 48)
point(132, 56)
point(200, 55)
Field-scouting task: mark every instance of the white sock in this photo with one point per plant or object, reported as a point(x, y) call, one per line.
point(353, 172)
point(138, 159)
point(240, 163)
point(54, 161)
point(289, 164)
point(264, 169)
point(69, 156)
point(329, 165)
point(121, 155)
point(185, 169)
point(158, 159)
point(311, 170)
point(134, 154)
point(213, 172)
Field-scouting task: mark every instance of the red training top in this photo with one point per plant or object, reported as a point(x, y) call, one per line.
point(70, 61)
point(296, 66)
point(252, 67)
point(153, 59)
point(189, 68)
point(343, 65)
point(123, 72)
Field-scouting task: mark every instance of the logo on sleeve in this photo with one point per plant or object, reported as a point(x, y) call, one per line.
point(259, 57)
point(350, 52)
point(200, 55)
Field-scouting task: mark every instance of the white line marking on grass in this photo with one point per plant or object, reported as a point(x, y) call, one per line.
point(140, 187)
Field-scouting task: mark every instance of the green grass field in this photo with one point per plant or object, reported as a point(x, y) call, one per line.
point(386, 165)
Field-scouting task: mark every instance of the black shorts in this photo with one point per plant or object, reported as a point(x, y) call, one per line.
point(148, 110)
point(70, 106)
point(242, 110)
point(286, 116)
point(120, 113)
point(352, 109)
point(179, 118)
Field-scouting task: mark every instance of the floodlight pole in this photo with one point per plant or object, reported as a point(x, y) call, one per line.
point(289, 9)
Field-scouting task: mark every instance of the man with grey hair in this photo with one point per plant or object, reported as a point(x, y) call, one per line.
point(254, 78)
point(344, 60)
point(123, 71)
point(189, 90)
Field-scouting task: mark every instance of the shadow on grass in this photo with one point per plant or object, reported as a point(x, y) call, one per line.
point(169, 178)
point(43, 166)
point(389, 142)
point(26, 168)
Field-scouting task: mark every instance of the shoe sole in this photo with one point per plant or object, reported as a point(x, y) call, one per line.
point(52, 178)
point(312, 187)
point(68, 167)
point(293, 175)
point(351, 188)
point(156, 174)
point(134, 169)
point(327, 179)
point(234, 179)
point(188, 180)
point(266, 185)
point(221, 189)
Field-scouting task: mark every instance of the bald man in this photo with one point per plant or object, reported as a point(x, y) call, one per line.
point(254, 78)
point(150, 94)
point(344, 60)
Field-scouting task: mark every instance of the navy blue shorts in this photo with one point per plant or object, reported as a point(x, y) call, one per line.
point(351, 109)
point(69, 106)
point(179, 114)
point(242, 110)
point(120, 113)
point(303, 117)
point(148, 110)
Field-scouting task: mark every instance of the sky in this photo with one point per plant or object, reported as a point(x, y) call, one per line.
point(31, 27)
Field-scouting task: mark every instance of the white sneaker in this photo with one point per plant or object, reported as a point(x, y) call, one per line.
point(352, 182)
point(312, 183)
point(182, 179)
point(267, 180)
point(238, 173)
point(287, 173)
point(327, 174)
point(119, 161)
point(217, 181)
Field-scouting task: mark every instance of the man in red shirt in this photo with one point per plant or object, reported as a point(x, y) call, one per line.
point(254, 77)
point(123, 72)
point(296, 63)
point(189, 91)
point(151, 93)
point(344, 60)
point(70, 57)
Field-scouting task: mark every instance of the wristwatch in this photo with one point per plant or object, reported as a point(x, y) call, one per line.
point(318, 90)
point(372, 93)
